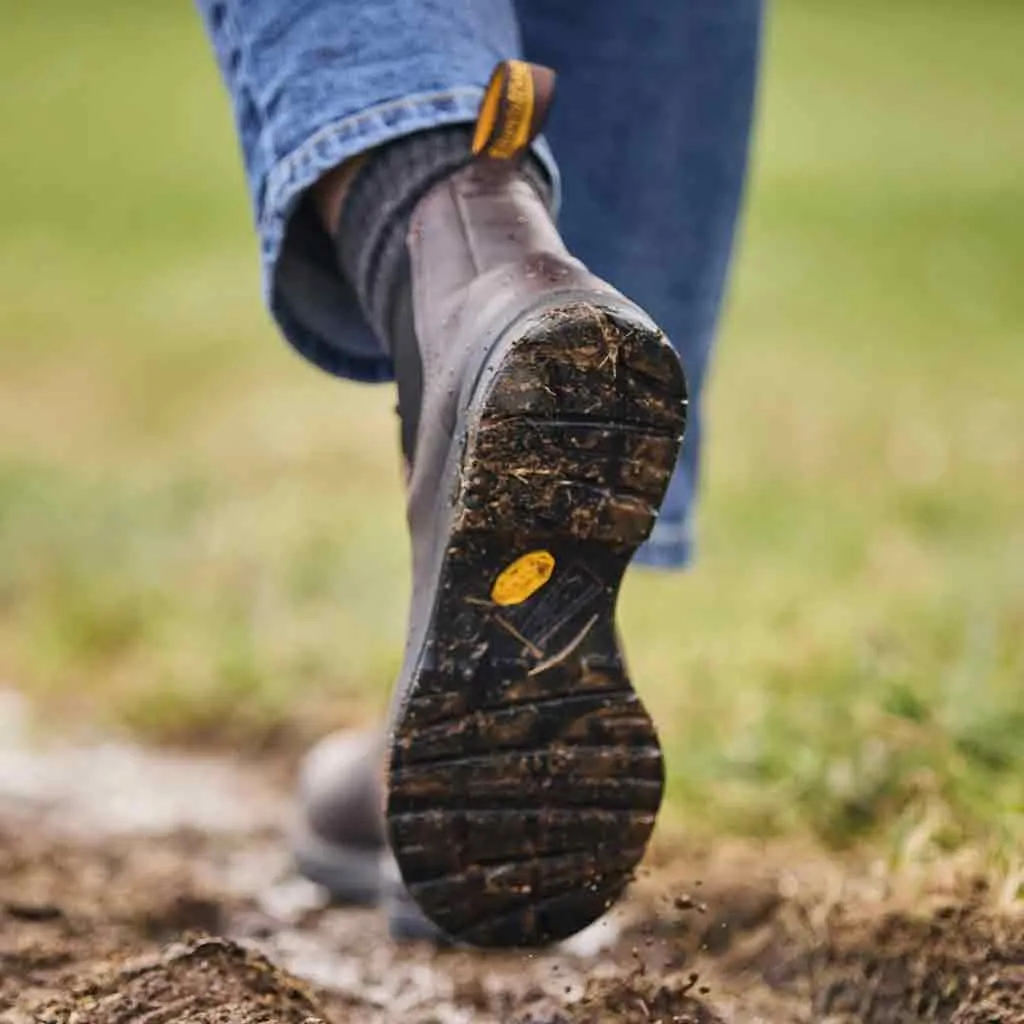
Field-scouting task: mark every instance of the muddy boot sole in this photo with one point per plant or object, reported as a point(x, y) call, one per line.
point(525, 774)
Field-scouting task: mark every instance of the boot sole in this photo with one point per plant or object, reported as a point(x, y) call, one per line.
point(524, 772)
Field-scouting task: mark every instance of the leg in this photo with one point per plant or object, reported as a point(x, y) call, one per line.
point(316, 82)
point(651, 132)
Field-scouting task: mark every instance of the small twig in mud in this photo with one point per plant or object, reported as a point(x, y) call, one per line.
point(524, 475)
point(612, 340)
point(566, 650)
point(512, 631)
point(173, 1011)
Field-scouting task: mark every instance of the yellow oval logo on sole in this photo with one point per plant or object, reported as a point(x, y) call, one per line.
point(523, 578)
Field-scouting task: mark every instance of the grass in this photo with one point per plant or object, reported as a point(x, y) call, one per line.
point(201, 539)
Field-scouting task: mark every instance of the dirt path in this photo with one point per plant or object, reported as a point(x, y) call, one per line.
point(139, 889)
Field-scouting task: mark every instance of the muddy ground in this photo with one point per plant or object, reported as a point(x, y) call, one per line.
point(143, 889)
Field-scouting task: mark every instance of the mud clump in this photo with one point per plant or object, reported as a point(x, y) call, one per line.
point(960, 964)
point(93, 934)
point(205, 981)
point(637, 999)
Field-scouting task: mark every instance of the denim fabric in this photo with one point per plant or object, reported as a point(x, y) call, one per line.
point(650, 127)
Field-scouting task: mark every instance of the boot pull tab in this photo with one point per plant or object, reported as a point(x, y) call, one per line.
point(513, 110)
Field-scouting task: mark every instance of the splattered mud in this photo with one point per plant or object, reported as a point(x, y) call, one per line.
point(152, 890)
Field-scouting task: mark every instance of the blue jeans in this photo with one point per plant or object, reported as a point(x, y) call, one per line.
point(650, 127)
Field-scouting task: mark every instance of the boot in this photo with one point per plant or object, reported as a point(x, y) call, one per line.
point(338, 840)
point(338, 836)
point(523, 774)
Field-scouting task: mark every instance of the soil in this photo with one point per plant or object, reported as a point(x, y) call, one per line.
point(184, 910)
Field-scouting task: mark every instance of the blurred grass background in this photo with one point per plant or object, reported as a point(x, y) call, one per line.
point(201, 539)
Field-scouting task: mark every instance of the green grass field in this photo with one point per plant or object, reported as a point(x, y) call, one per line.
point(201, 538)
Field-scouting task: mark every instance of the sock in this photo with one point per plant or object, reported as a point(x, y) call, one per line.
point(370, 241)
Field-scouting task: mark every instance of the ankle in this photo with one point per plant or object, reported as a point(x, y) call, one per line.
point(331, 191)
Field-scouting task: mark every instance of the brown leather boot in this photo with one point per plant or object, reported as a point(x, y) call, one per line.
point(524, 773)
point(337, 838)
point(338, 835)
